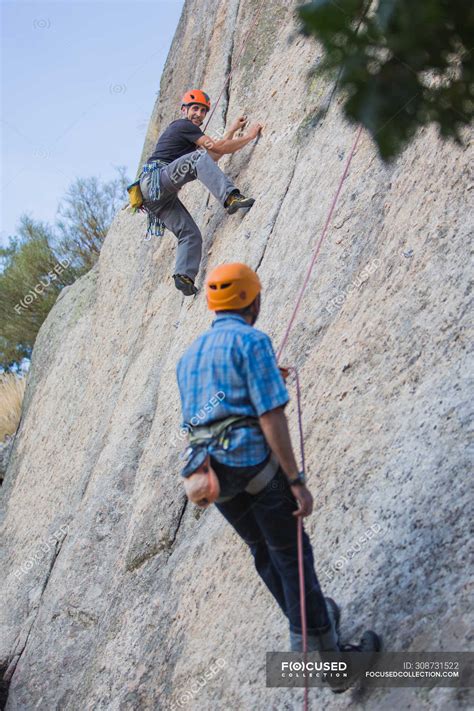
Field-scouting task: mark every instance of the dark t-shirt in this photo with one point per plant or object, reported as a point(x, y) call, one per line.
point(178, 139)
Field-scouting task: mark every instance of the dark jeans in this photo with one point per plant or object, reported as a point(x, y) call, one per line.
point(266, 524)
point(233, 480)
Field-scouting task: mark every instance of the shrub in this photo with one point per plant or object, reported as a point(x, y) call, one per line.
point(41, 260)
point(12, 390)
point(86, 213)
point(32, 276)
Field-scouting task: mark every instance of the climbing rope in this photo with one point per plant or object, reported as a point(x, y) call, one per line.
point(314, 258)
point(319, 243)
point(300, 538)
point(303, 606)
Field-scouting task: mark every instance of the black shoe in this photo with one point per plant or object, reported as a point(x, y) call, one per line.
point(185, 284)
point(370, 644)
point(235, 201)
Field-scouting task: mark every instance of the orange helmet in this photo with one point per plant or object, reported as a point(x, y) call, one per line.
point(196, 96)
point(231, 286)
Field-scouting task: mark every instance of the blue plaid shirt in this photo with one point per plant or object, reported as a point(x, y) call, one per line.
point(231, 369)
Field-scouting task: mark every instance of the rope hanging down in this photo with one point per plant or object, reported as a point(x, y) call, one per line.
point(287, 333)
point(304, 629)
point(285, 338)
point(298, 398)
point(319, 243)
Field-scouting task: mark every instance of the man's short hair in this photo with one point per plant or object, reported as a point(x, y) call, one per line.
point(245, 311)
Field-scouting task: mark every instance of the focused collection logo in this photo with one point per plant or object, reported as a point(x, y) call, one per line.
point(314, 669)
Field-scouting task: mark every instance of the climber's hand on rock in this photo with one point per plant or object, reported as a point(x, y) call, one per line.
point(238, 123)
point(304, 499)
point(254, 129)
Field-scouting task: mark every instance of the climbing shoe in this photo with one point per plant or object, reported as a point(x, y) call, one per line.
point(370, 644)
point(235, 201)
point(184, 284)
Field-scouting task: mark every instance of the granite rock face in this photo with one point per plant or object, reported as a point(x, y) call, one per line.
point(116, 594)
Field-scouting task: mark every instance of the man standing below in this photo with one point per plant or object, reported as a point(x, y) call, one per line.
point(262, 491)
point(182, 154)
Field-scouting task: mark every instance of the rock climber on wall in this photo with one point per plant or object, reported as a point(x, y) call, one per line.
point(184, 153)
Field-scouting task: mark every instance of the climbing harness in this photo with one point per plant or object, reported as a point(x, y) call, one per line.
point(216, 434)
point(200, 480)
point(156, 227)
point(202, 486)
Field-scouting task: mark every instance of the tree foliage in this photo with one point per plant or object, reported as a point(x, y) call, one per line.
point(403, 64)
point(41, 260)
point(32, 276)
point(86, 214)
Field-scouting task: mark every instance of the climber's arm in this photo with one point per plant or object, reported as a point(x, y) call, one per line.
point(225, 146)
point(275, 428)
point(229, 134)
point(235, 126)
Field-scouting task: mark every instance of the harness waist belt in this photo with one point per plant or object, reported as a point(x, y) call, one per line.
point(216, 430)
point(217, 434)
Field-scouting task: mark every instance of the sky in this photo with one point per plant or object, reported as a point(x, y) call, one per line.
point(79, 81)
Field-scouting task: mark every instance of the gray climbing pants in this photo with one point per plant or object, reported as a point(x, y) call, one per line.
point(169, 208)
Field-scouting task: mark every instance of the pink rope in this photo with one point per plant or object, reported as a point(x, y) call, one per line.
point(318, 245)
point(303, 605)
point(283, 343)
point(304, 628)
point(316, 252)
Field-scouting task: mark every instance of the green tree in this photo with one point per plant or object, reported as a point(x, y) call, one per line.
point(403, 64)
point(31, 277)
point(41, 260)
point(86, 213)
